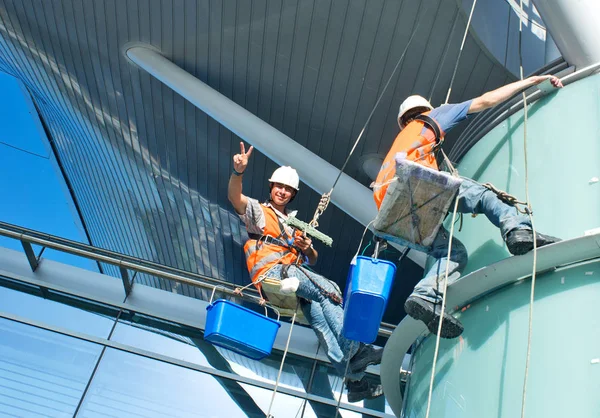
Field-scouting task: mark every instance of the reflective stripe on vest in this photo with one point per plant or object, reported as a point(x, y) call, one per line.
point(418, 148)
point(261, 256)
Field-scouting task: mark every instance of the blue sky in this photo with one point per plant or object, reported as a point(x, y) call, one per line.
point(34, 195)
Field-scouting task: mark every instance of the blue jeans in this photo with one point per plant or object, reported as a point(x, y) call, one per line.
point(325, 316)
point(472, 198)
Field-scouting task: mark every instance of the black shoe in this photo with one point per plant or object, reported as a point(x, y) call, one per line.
point(365, 356)
point(362, 389)
point(520, 241)
point(429, 313)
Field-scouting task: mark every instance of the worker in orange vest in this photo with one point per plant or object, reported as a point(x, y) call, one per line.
point(278, 251)
point(422, 130)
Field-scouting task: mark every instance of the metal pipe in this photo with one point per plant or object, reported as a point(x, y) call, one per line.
point(99, 254)
point(122, 261)
point(574, 28)
point(350, 196)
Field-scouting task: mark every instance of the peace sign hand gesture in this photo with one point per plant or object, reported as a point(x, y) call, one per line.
point(240, 161)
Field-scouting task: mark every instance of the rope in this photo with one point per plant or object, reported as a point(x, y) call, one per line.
point(508, 198)
point(337, 407)
point(460, 50)
point(287, 346)
point(445, 285)
point(310, 381)
point(443, 309)
point(326, 197)
point(533, 274)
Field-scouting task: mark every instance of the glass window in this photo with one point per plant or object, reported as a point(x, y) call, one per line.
point(54, 313)
point(42, 373)
point(127, 385)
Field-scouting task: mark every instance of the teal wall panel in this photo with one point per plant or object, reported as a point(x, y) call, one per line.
point(563, 140)
point(481, 373)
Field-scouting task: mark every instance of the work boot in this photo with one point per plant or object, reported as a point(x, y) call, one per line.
point(365, 356)
point(520, 241)
point(362, 389)
point(429, 313)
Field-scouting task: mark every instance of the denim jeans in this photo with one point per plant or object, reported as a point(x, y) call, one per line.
point(325, 316)
point(472, 198)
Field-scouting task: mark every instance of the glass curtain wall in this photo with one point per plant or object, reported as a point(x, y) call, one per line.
point(64, 357)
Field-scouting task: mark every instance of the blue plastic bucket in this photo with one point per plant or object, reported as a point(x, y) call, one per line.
point(239, 329)
point(368, 288)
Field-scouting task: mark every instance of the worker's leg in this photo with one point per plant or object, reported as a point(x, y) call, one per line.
point(473, 197)
point(316, 317)
point(358, 386)
point(431, 286)
point(316, 288)
point(515, 227)
point(326, 318)
point(424, 303)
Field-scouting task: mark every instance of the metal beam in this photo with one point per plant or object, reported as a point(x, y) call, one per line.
point(350, 196)
point(30, 254)
point(127, 284)
point(574, 28)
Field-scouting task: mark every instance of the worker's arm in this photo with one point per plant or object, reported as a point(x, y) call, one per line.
point(305, 244)
point(234, 191)
point(495, 97)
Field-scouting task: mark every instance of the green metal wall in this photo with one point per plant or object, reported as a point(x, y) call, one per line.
point(481, 373)
point(563, 138)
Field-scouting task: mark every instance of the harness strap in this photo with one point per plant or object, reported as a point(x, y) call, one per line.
point(431, 123)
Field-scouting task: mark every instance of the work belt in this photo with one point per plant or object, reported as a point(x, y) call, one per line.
point(267, 239)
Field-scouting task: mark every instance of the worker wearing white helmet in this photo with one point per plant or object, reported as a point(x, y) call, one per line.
point(276, 250)
point(422, 131)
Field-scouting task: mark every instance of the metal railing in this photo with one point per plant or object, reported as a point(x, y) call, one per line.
point(124, 262)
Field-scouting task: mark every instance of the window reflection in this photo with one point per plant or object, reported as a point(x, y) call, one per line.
point(42, 373)
point(127, 385)
point(55, 313)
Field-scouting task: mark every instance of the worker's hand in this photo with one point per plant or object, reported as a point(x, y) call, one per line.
point(262, 302)
point(302, 242)
point(537, 79)
point(238, 291)
point(240, 161)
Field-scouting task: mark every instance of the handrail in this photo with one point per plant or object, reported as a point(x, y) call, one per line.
point(133, 263)
point(116, 259)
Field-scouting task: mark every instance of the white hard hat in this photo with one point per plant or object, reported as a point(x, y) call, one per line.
point(412, 102)
point(286, 175)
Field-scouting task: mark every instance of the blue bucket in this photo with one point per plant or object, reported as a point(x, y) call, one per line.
point(368, 289)
point(239, 329)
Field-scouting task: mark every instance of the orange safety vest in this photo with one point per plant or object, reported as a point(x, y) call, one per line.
point(418, 148)
point(262, 255)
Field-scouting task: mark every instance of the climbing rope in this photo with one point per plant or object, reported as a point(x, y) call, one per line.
point(326, 197)
point(287, 346)
point(321, 207)
point(462, 45)
point(442, 310)
point(508, 198)
point(337, 407)
point(533, 273)
point(445, 283)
